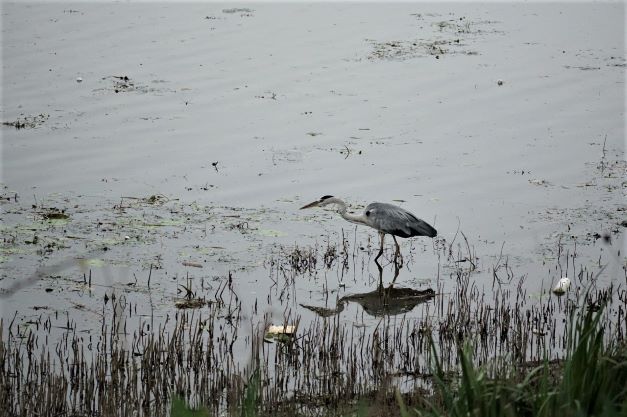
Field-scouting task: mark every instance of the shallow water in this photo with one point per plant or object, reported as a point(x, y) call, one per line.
point(239, 118)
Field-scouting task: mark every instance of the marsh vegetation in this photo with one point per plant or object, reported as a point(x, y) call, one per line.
point(468, 350)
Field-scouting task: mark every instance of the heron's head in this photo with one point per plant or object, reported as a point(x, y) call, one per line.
point(325, 200)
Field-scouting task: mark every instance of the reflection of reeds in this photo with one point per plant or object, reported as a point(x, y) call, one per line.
point(328, 364)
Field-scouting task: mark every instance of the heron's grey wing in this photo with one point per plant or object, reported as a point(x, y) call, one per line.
point(397, 221)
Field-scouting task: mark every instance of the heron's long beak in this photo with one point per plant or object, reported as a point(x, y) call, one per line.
point(314, 204)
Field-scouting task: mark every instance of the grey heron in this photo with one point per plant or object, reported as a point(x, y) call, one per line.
point(385, 218)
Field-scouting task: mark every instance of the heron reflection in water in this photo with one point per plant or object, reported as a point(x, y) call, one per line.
point(384, 301)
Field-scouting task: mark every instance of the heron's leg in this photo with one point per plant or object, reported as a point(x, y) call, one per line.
point(380, 268)
point(397, 269)
point(382, 236)
point(398, 248)
point(397, 255)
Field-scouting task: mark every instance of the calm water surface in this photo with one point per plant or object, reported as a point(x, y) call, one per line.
point(504, 122)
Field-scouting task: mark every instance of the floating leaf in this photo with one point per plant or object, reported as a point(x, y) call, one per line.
point(91, 263)
point(271, 233)
point(165, 222)
point(58, 221)
point(56, 215)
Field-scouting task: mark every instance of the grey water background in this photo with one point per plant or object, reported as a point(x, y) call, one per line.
point(504, 121)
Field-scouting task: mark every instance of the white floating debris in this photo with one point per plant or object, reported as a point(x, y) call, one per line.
point(79, 79)
point(289, 330)
point(562, 286)
point(127, 237)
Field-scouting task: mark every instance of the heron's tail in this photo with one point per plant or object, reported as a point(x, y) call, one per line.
point(422, 228)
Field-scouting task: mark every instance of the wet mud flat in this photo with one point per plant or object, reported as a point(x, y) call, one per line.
point(153, 256)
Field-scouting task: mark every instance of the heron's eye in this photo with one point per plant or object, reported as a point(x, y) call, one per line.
point(368, 213)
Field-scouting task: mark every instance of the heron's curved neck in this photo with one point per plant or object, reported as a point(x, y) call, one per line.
point(353, 218)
